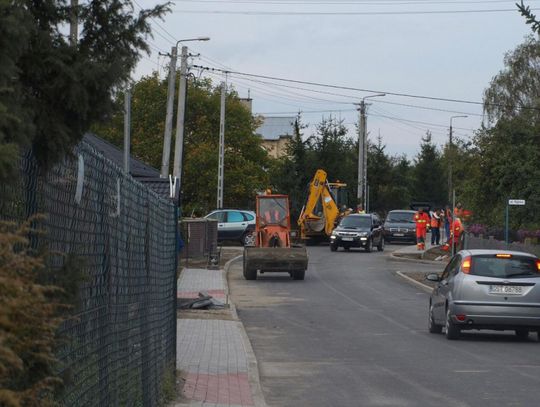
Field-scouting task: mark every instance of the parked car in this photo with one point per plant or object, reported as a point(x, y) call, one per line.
point(358, 230)
point(235, 224)
point(487, 289)
point(399, 226)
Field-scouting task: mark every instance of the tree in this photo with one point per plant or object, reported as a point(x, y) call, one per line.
point(505, 156)
point(379, 177)
point(506, 166)
point(334, 151)
point(50, 90)
point(291, 174)
point(246, 163)
point(529, 17)
point(516, 88)
point(30, 317)
point(428, 176)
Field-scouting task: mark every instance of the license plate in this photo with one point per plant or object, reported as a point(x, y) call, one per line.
point(399, 234)
point(347, 239)
point(506, 289)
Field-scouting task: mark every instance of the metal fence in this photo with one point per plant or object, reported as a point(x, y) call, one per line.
point(480, 242)
point(200, 237)
point(120, 342)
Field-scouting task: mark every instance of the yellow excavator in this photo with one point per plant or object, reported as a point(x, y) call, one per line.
point(321, 212)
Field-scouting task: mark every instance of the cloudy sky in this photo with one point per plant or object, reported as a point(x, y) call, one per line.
point(445, 49)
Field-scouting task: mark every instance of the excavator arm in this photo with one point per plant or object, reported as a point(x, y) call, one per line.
point(319, 199)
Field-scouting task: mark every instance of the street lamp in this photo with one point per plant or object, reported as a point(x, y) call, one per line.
point(361, 193)
point(170, 100)
point(450, 158)
point(180, 113)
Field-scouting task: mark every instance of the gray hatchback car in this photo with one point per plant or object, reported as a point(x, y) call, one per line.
point(487, 289)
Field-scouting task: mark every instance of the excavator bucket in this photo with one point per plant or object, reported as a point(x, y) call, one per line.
point(293, 260)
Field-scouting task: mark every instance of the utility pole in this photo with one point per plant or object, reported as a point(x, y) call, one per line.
point(362, 152)
point(180, 116)
point(450, 159)
point(221, 162)
point(127, 129)
point(73, 23)
point(360, 194)
point(165, 159)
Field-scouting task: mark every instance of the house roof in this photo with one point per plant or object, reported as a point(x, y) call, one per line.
point(273, 128)
point(142, 172)
point(137, 168)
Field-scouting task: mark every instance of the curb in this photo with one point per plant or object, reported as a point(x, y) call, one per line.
point(393, 257)
point(420, 285)
point(253, 366)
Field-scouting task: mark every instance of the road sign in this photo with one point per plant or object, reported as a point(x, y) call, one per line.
point(516, 202)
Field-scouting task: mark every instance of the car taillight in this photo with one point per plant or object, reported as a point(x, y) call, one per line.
point(503, 256)
point(466, 265)
point(538, 266)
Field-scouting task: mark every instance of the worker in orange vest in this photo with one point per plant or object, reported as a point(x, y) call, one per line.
point(422, 221)
point(455, 234)
point(457, 229)
point(435, 228)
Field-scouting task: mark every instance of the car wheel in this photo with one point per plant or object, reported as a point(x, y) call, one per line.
point(333, 247)
point(298, 274)
point(452, 331)
point(432, 326)
point(380, 246)
point(522, 334)
point(369, 245)
point(248, 238)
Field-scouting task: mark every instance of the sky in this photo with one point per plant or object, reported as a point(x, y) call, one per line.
point(449, 49)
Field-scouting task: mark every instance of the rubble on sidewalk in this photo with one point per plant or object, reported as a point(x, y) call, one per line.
point(204, 301)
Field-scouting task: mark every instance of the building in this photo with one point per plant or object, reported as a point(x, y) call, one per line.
point(142, 172)
point(276, 133)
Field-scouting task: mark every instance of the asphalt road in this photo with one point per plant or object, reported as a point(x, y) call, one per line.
point(355, 334)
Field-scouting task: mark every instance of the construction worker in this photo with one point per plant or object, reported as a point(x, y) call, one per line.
point(457, 229)
point(421, 219)
point(435, 228)
point(455, 235)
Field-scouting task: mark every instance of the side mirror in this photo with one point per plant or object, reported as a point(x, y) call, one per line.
point(433, 277)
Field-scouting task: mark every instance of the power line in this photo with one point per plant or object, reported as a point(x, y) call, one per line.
point(325, 85)
point(344, 13)
point(356, 98)
point(349, 2)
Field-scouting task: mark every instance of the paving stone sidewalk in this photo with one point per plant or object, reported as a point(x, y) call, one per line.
point(192, 281)
point(214, 355)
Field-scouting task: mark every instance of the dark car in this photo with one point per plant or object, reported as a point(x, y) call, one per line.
point(235, 224)
point(399, 226)
point(358, 230)
point(487, 289)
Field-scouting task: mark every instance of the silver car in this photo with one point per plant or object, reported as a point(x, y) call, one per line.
point(487, 289)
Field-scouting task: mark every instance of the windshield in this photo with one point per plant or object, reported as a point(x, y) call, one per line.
point(356, 222)
point(405, 217)
point(491, 266)
point(273, 210)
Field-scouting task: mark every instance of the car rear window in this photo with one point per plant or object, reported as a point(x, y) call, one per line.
point(511, 267)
